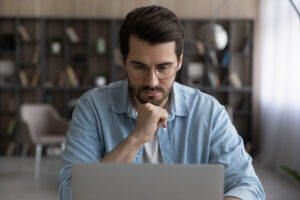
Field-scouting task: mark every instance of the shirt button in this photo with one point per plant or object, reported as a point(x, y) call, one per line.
point(165, 129)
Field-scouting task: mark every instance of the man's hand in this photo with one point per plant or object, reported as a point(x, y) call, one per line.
point(149, 119)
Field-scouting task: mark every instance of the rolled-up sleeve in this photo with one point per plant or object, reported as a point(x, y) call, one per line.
point(83, 145)
point(227, 148)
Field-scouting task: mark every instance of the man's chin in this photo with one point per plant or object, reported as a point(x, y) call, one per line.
point(150, 100)
point(155, 102)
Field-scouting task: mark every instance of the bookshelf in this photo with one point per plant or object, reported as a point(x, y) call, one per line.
point(44, 57)
point(230, 79)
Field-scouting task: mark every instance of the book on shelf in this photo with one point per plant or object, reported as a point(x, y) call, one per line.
point(247, 45)
point(72, 76)
point(36, 78)
point(23, 78)
point(217, 80)
point(63, 79)
point(213, 57)
point(36, 55)
point(72, 34)
point(214, 79)
point(235, 80)
point(200, 47)
point(24, 33)
point(226, 58)
point(211, 78)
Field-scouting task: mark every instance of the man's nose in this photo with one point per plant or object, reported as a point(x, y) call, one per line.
point(151, 79)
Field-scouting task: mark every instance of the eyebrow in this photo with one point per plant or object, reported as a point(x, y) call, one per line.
point(140, 63)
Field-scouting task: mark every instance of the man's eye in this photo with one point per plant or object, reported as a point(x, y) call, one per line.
point(139, 67)
point(163, 67)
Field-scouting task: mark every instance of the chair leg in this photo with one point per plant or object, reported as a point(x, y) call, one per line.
point(37, 165)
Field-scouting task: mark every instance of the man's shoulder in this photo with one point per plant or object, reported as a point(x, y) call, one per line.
point(103, 93)
point(190, 94)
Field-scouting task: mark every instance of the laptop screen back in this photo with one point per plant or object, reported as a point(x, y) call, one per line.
point(147, 181)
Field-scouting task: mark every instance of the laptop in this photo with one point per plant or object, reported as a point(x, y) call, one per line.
point(115, 181)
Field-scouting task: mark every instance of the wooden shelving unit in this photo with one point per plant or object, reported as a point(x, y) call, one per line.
point(88, 63)
point(238, 99)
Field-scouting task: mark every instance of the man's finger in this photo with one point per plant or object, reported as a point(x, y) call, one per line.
point(164, 119)
point(165, 123)
point(162, 122)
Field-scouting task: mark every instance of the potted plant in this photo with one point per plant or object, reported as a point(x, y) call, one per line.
point(291, 172)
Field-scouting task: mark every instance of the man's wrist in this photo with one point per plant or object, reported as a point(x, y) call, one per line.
point(134, 141)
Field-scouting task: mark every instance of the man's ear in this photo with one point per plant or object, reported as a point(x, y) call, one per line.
point(180, 62)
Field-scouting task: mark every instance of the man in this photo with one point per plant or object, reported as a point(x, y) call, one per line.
point(150, 118)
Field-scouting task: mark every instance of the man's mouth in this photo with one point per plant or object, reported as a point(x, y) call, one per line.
point(151, 92)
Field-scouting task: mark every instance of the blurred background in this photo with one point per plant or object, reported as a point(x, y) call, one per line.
point(244, 53)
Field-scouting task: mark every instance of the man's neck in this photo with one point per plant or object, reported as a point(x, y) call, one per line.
point(166, 104)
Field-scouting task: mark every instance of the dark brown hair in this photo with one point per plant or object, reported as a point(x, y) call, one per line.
point(154, 24)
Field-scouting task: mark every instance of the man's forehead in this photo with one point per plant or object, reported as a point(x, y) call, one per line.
point(142, 51)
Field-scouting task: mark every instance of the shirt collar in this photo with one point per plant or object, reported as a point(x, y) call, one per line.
point(122, 101)
point(177, 105)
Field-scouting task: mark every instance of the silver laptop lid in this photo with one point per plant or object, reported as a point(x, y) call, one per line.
point(112, 181)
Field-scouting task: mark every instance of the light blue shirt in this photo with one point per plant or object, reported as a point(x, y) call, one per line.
point(198, 131)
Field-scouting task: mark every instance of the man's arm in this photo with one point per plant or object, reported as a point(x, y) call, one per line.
point(84, 145)
point(125, 152)
point(227, 148)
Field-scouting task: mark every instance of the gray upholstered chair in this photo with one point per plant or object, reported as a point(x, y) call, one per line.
point(45, 127)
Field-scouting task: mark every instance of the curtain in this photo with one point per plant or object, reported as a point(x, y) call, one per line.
point(280, 84)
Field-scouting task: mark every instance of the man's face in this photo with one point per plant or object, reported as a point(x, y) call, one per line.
point(151, 89)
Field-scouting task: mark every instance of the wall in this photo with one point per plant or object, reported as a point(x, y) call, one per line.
point(256, 82)
point(119, 8)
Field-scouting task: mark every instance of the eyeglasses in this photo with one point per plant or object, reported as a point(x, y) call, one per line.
point(163, 71)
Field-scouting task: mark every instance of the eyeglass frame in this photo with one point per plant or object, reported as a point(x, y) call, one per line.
point(156, 71)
